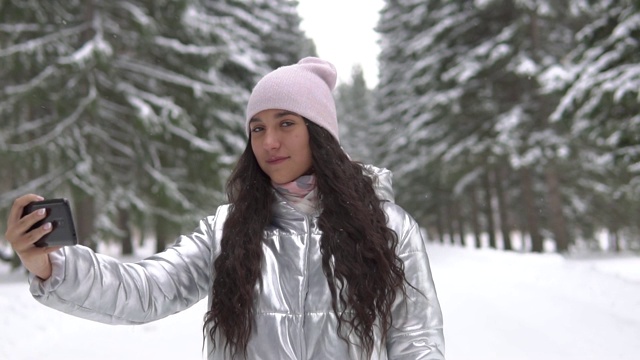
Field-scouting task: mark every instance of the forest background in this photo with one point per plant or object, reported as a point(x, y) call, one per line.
point(513, 124)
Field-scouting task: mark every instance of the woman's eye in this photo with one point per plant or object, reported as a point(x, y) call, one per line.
point(287, 123)
point(256, 129)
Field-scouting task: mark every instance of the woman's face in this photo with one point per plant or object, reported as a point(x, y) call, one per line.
point(280, 143)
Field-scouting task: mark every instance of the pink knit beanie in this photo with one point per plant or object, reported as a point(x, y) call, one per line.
point(304, 88)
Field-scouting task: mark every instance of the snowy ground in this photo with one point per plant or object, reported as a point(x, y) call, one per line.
point(496, 306)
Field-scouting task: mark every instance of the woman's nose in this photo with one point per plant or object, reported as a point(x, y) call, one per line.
point(271, 140)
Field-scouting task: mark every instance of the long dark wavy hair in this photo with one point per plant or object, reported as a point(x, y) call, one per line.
point(366, 274)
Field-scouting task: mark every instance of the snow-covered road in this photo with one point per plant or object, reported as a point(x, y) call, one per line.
point(496, 306)
point(501, 305)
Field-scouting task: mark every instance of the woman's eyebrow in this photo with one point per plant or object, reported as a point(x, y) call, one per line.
point(285, 113)
point(278, 115)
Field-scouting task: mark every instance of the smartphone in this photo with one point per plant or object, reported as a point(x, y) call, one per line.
point(59, 215)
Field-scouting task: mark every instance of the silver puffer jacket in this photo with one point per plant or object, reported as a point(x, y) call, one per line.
point(293, 314)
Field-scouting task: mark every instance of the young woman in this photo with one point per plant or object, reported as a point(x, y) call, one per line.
point(310, 259)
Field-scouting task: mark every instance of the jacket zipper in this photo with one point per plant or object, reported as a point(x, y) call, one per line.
point(305, 281)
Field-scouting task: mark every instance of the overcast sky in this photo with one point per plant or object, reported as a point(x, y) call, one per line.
point(343, 31)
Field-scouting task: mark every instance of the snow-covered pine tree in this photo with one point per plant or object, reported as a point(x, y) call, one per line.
point(460, 95)
point(277, 23)
point(132, 105)
point(411, 55)
point(354, 103)
point(600, 88)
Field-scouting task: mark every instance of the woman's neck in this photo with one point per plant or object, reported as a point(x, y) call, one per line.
point(300, 193)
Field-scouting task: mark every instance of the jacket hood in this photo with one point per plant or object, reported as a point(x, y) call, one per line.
point(382, 182)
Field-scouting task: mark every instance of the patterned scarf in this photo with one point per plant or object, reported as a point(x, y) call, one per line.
point(300, 193)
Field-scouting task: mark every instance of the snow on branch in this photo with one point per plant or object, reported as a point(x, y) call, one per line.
point(172, 77)
point(146, 114)
point(624, 30)
point(139, 15)
point(195, 141)
point(169, 186)
point(628, 81)
point(50, 180)
point(181, 48)
point(34, 82)
point(60, 127)
point(41, 41)
point(141, 100)
point(25, 127)
point(112, 142)
point(18, 28)
point(469, 178)
point(198, 19)
point(95, 45)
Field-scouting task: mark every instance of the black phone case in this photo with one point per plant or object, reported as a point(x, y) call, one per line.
point(59, 214)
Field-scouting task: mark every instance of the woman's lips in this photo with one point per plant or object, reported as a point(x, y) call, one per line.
point(276, 160)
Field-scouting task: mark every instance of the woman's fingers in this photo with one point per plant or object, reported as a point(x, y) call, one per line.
point(17, 225)
point(24, 241)
point(34, 252)
point(35, 259)
point(18, 207)
point(37, 233)
point(17, 229)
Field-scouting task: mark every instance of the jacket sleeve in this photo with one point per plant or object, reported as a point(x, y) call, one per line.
point(417, 329)
point(103, 289)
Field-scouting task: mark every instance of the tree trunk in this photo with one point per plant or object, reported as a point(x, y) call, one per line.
point(531, 211)
point(450, 220)
point(163, 233)
point(475, 215)
point(84, 204)
point(556, 215)
point(488, 210)
point(439, 219)
point(425, 223)
point(125, 228)
point(503, 212)
point(84, 218)
point(614, 241)
point(460, 223)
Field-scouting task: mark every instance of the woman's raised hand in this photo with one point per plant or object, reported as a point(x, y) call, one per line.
point(35, 259)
